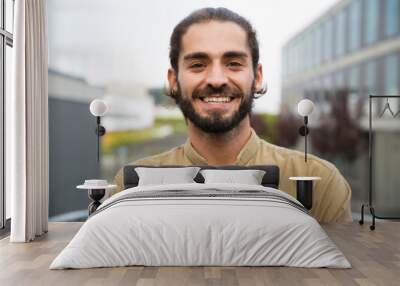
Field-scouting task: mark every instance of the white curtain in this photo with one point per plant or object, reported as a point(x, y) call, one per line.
point(27, 123)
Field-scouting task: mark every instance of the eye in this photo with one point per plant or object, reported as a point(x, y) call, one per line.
point(197, 66)
point(234, 64)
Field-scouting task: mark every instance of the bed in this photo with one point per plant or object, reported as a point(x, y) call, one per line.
point(201, 223)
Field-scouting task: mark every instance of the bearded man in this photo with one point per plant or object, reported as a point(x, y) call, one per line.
point(214, 74)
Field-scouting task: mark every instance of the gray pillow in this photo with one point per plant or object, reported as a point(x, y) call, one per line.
point(248, 177)
point(163, 176)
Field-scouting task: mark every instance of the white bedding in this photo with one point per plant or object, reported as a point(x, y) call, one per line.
point(190, 230)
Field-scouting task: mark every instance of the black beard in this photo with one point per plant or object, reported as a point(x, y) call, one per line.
point(215, 123)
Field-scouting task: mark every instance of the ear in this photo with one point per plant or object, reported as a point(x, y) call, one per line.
point(259, 77)
point(172, 80)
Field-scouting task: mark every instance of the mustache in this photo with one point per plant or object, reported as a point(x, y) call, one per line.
point(224, 90)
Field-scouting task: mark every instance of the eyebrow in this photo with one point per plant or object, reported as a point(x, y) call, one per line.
point(202, 55)
point(235, 54)
point(195, 56)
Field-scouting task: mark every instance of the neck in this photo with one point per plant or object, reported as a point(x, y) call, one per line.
point(220, 149)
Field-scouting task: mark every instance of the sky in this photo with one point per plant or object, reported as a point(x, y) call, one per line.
point(125, 42)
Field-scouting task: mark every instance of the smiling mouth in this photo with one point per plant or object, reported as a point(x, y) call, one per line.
point(219, 99)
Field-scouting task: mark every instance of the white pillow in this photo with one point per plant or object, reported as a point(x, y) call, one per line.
point(248, 177)
point(163, 176)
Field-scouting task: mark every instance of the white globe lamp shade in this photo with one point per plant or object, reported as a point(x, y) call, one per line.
point(305, 107)
point(98, 107)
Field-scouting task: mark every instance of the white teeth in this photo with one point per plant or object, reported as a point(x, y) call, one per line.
point(217, 99)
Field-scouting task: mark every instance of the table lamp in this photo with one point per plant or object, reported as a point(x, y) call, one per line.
point(96, 190)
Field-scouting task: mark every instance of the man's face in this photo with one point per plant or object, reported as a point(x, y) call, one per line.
point(215, 82)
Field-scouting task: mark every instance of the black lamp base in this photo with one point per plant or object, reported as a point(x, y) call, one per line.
point(304, 190)
point(95, 195)
point(304, 193)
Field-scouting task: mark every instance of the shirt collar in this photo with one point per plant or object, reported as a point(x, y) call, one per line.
point(248, 151)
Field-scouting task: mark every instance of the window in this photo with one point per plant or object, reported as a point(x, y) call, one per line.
point(326, 93)
point(295, 56)
point(312, 48)
point(355, 25)
point(6, 41)
point(354, 77)
point(371, 77)
point(354, 87)
point(284, 62)
point(371, 21)
point(290, 59)
point(391, 75)
point(340, 23)
point(392, 11)
point(309, 50)
point(391, 82)
point(327, 85)
point(339, 80)
point(318, 44)
point(328, 34)
point(301, 54)
point(370, 85)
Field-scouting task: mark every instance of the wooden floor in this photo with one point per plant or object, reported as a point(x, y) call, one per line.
point(374, 255)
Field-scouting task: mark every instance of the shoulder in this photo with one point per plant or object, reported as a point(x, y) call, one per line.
point(170, 157)
point(286, 156)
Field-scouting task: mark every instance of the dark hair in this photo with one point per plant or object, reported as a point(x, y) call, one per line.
point(206, 15)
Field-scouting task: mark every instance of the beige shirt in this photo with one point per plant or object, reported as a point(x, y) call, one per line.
point(331, 194)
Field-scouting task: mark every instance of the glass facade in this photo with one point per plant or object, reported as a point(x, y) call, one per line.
point(290, 58)
point(306, 53)
point(354, 77)
point(354, 80)
point(340, 38)
point(299, 47)
point(284, 62)
point(370, 78)
point(391, 64)
point(358, 24)
point(371, 21)
point(310, 49)
point(354, 88)
point(391, 82)
point(318, 45)
point(313, 49)
point(392, 10)
point(356, 49)
point(371, 84)
point(339, 80)
point(355, 25)
point(328, 40)
point(327, 91)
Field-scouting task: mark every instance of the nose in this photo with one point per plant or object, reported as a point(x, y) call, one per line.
point(216, 77)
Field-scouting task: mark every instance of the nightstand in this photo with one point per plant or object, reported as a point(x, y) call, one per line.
point(304, 190)
point(96, 190)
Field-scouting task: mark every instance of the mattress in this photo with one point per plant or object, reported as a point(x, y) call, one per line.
point(201, 225)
